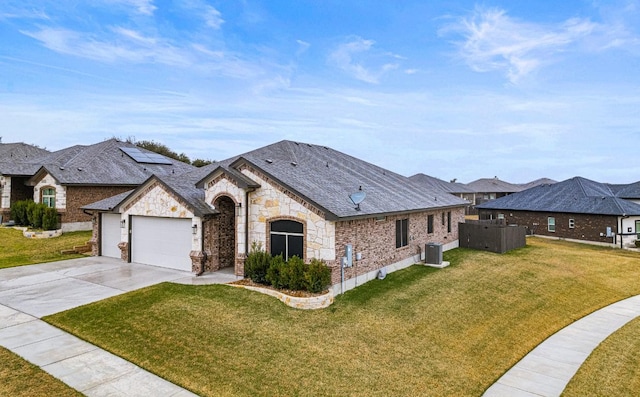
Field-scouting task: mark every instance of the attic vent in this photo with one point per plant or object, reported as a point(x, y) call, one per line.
point(308, 144)
point(293, 163)
point(79, 168)
point(61, 168)
point(269, 161)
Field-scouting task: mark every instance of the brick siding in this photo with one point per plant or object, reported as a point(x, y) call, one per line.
point(79, 196)
point(376, 240)
point(587, 227)
point(220, 236)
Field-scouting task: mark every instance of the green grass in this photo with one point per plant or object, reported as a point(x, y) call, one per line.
point(17, 250)
point(613, 367)
point(421, 331)
point(18, 378)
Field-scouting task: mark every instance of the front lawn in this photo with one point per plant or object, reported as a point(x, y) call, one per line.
point(421, 331)
point(17, 250)
point(22, 379)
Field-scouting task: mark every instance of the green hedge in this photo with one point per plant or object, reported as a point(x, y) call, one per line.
point(293, 274)
point(37, 216)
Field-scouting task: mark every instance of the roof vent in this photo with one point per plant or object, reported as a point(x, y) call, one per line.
point(269, 161)
point(79, 168)
point(61, 168)
point(293, 163)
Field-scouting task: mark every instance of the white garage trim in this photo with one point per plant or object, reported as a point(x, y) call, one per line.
point(162, 242)
point(110, 235)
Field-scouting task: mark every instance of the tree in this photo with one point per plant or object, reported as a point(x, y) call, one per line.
point(201, 162)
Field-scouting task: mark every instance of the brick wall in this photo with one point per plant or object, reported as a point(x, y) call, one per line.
point(220, 237)
point(376, 240)
point(586, 227)
point(79, 196)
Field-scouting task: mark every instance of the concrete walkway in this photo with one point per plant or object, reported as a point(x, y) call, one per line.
point(30, 292)
point(548, 368)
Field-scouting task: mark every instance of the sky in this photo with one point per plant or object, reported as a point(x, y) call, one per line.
point(453, 89)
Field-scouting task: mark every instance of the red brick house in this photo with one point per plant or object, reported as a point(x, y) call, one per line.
point(79, 175)
point(576, 209)
point(291, 198)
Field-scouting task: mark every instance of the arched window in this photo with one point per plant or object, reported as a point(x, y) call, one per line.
point(49, 197)
point(287, 238)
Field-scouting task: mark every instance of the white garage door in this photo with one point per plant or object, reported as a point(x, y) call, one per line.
point(162, 242)
point(110, 235)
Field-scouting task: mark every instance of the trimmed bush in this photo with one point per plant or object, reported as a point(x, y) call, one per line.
point(318, 276)
point(256, 264)
point(34, 214)
point(292, 274)
point(49, 218)
point(19, 212)
point(274, 273)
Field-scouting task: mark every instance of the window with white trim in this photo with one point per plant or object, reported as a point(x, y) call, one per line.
point(49, 197)
point(551, 224)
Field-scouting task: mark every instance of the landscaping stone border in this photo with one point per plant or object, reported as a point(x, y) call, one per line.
point(297, 302)
point(42, 234)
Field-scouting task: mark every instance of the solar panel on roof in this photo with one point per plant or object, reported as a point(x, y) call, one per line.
point(146, 158)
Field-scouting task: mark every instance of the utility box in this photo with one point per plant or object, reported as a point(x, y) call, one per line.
point(433, 253)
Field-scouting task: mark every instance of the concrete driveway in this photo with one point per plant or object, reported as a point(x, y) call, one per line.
point(40, 290)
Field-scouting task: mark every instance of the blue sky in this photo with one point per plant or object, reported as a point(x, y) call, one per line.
point(455, 89)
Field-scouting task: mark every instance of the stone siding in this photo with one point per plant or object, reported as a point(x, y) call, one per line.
point(586, 227)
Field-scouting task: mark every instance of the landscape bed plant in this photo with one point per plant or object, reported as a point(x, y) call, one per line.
point(34, 215)
point(293, 274)
point(420, 331)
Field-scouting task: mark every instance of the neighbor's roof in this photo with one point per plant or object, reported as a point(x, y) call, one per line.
point(182, 186)
point(537, 182)
point(20, 159)
point(493, 185)
point(105, 163)
point(629, 191)
point(576, 195)
point(326, 178)
point(435, 183)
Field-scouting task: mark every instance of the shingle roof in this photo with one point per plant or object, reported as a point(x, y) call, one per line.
point(537, 182)
point(326, 178)
point(105, 163)
point(20, 159)
point(435, 183)
point(493, 185)
point(629, 191)
point(576, 195)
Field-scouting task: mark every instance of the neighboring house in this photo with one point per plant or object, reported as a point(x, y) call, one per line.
point(537, 182)
point(577, 209)
point(71, 178)
point(18, 162)
point(290, 198)
point(455, 188)
point(486, 189)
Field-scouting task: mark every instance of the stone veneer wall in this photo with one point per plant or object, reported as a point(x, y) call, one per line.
point(587, 227)
point(375, 239)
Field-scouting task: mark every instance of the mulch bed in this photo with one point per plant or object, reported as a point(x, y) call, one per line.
point(297, 294)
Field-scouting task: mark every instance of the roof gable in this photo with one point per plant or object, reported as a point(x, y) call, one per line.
point(326, 178)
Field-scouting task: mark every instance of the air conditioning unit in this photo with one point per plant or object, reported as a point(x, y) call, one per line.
point(433, 253)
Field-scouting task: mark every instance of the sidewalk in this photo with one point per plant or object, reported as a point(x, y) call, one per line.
point(28, 293)
point(548, 368)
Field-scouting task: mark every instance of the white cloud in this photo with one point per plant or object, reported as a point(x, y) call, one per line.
point(135, 48)
point(351, 56)
point(212, 17)
point(144, 7)
point(495, 41)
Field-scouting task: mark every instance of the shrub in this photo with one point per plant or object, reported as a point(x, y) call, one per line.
point(19, 212)
point(318, 276)
point(49, 218)
point(292, 274)
point(34, 214)
point(257, 264)
point(274, 273)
